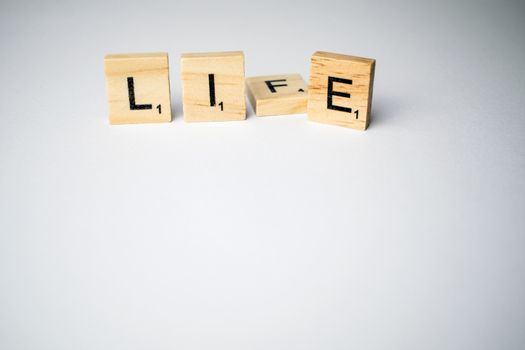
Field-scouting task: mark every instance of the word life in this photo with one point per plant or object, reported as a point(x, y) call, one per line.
point(214, 88)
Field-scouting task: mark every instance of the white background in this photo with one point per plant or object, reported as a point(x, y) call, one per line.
point(271, 233)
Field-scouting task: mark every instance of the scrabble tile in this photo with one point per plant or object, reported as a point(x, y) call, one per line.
point(213, 86)
point(340, 89)
point(138, 88)
point(277, 94)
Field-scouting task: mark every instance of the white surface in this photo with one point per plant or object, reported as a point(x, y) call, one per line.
point(273, 233)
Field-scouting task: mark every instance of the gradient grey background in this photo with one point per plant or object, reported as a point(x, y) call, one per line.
point(273, 233)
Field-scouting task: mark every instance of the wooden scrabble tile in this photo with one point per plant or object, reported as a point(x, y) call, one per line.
point(277, 94)
point(340, 89)
point(213, 86)
point(138, 88)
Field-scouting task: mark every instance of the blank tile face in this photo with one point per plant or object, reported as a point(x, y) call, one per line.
point(138, 88)
point(213, 86)
point(340, 89)
point(277, 94)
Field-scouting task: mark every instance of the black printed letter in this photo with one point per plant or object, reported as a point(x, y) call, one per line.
point(211, 81)
point(272, 87)
point(131, 94)
point(331, 92)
